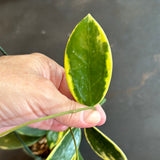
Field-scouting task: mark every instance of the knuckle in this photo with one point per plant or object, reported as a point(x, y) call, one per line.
point(39, 57)
point(31, 60)
point(36, 61)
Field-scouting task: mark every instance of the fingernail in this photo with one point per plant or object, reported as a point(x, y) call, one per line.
point(91, 117)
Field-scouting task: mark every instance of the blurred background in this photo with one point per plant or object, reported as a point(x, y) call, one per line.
point(133, 29)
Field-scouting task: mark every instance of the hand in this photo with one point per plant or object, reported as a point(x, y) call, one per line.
point(34, 86)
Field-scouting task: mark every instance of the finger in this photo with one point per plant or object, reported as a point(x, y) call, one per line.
point(49, 124)
point(55, 102)
point(59, 78)
point(102, 113)
point(83, 119)
point(55, 73)
point(63, 88)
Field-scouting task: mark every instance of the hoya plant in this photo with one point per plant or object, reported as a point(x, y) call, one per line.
point(88, 67)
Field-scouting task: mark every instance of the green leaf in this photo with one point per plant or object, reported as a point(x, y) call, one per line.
point(65, 149)
point(102, 145)
point(54, 137)
point(34, 132)
point(10, 141)
point(88, 62)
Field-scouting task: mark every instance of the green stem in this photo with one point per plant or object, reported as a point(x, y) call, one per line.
point(103, 101)
point(77, 157)
point(45, 118)
point(26, 147)
point(3, 51)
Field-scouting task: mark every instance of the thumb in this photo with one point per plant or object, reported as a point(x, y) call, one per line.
point(82, 119)
point(49, 101)
point(56, 102)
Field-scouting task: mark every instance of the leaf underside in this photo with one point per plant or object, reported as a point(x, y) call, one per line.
point(88, 62)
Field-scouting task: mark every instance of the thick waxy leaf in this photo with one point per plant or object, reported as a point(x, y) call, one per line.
point(65, 149)
point(53, 138)
point(10, 141)
point(28, 131)
point(88, 62)
point(102, 145)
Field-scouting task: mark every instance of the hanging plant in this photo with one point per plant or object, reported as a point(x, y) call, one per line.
point(88, 67)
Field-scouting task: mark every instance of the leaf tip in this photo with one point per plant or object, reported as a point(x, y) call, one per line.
point(89, 16)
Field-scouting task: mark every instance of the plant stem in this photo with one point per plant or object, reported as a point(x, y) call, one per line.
point(103, 101)
point(3, 51)
point(26, 147)
point(45, 118)
point(77, 157)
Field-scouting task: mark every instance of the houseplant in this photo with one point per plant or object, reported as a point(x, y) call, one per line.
point(88, 67)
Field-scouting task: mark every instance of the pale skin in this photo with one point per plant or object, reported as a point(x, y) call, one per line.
point(34, 86)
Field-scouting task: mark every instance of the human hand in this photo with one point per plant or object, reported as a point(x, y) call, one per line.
point(34, 86)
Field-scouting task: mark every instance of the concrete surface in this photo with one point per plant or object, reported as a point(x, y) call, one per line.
point(132, 27)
